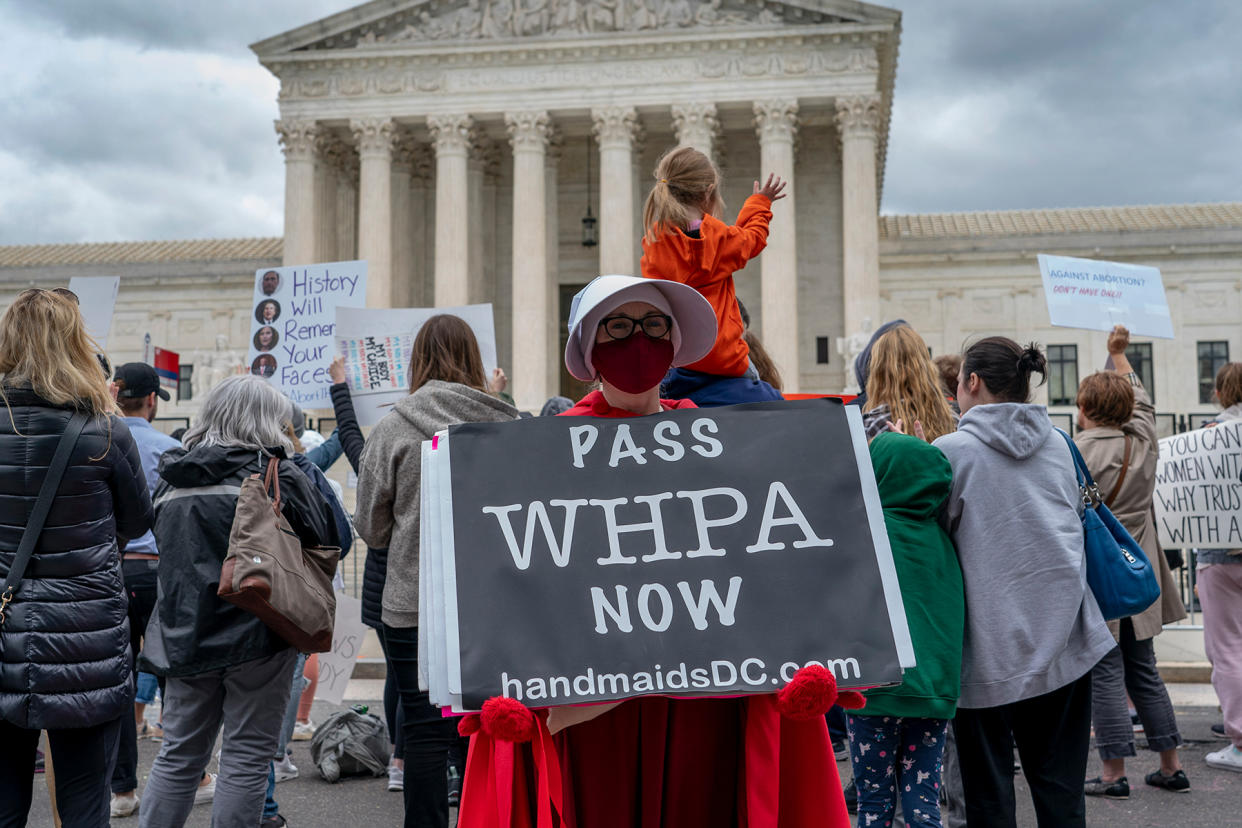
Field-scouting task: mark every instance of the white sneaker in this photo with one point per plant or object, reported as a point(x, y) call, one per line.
point(285, 769)
point(396, 778)
point(205, 793)
point(303, 731)
point(123, 806)
point(1229, 758)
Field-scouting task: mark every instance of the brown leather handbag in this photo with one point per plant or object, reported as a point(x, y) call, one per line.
point(268, 572)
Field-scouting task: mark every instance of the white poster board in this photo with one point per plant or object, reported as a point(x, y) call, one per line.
point(1198, 495)
point(376, 344)
point(97, 301)
point(337, 665)
point(1096, 295)
point(293, 323)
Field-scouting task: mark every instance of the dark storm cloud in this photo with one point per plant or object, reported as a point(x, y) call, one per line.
point(133, 119)
point(1020, 105)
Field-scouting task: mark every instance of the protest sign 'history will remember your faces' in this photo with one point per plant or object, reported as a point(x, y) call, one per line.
point(293, 325)
point(694, 553)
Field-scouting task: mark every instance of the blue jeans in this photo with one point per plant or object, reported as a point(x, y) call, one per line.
point(897, 757)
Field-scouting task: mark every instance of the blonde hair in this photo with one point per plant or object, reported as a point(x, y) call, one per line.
point(686, 180)
point(902, 377)
point(44, 344)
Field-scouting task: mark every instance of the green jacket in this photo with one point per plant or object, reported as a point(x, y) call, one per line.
point(914, 480)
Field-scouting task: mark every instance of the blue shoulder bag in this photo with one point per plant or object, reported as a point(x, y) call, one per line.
point(1118, 572)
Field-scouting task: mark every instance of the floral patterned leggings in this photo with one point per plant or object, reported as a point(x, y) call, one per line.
point(897, 756)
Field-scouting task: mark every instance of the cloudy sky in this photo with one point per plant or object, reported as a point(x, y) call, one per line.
point(151, 119)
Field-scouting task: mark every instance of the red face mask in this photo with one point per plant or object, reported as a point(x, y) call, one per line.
point(634, 364)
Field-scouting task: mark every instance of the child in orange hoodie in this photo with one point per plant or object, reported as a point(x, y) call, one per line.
point(685, 241)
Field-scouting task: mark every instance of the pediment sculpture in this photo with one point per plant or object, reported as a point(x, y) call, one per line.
point(501, 19)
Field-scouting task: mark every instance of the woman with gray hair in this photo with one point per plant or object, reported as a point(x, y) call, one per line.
point(222, 664)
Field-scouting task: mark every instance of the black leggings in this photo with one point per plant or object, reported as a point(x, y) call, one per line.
point(82, 758)
point(429, 736)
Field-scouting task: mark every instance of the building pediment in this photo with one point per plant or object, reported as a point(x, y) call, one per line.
point(387, 24)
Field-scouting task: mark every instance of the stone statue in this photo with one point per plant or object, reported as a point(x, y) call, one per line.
point(600, 15)
point(849, 347)
point(433, 28)
point(498, 19)
point(468, 23)
point(645, 15)
point(677, 14)
point(210, 367)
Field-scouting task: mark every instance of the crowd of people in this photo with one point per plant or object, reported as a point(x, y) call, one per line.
point(115, 593)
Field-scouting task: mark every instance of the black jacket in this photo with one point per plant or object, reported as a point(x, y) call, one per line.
point(192, 631)
point(64, 648)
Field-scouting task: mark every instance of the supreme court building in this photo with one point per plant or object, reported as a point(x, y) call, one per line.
point(458, 146)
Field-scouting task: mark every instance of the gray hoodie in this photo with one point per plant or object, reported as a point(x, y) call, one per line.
point(388, 481)
point(1032, 624)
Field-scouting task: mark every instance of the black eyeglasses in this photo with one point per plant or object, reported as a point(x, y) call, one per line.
point(654, 325)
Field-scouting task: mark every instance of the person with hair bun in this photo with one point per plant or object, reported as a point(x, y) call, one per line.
point(685, 241)
point(1118, 441)
point(1033, 628)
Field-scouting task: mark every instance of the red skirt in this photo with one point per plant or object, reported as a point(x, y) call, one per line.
point(650, 762)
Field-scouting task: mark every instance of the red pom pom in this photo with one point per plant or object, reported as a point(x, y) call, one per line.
point(468, 725)
point(811, 693)
point(508, 720)
point(851, 700)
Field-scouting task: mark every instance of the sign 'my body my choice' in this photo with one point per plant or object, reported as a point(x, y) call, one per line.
point(693, 552)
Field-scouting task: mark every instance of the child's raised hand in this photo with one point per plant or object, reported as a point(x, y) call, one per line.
point(773, 189)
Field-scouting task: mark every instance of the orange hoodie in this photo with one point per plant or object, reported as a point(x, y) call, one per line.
point(707, 264)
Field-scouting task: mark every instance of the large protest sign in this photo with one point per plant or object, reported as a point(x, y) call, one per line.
point(1096, 295)
point(376, 344)
point(693, 552)
point(293, 325)
point(97, 302)
point(1198, 496)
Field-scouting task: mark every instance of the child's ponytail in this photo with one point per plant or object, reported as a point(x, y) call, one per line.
point(685, 178)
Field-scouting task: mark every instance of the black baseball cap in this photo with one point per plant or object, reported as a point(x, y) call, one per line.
point(139, 379)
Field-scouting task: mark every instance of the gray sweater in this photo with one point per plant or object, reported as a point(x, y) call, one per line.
point(388, 481)
point(1032, 624)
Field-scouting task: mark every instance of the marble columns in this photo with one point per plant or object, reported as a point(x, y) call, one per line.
point(451, 136)
point(402, 239)
point(696, 125)
point(616, 128)
point(298, 140)
point(858, 119)
point(376, 138)
point(776, 122)
point(528, 134)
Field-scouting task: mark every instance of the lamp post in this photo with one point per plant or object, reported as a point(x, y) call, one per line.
point(589, 237)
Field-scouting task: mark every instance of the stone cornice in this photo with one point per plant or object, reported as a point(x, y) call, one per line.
point(859, 116)
point(615, 126)
point(298, 139)
point(776, 119)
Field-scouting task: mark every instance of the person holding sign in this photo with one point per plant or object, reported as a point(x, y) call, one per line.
point(1220, 590)
point(447, 387)
point(1033, 628)
point(1117, 438)
point(653, 760)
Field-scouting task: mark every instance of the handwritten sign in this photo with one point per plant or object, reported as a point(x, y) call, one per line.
point(337, 665)
point(97, 302)
point(1198, 496)
point(376, 344)
point(1095, 295)
point(693, 552)
point(293, 325)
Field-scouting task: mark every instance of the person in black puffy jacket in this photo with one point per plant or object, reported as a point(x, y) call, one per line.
point(65, 664)
point(223, 666)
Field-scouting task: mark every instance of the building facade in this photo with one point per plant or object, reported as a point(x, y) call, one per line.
point(456, 145)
